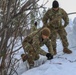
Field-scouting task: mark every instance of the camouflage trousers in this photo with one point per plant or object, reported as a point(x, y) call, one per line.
point(62, 35)
point(32, 55)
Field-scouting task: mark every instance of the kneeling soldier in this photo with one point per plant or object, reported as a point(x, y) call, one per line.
point(32, 46)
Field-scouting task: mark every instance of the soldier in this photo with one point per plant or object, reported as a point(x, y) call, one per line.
point(32, 46)
point(53, 19)
point(34, 27)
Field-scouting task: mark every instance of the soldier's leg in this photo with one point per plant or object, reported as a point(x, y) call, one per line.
point(63, 37)
point(53, 41)
point(36, 57)
point(27, 49)
point(30, 60)
point(32, 56)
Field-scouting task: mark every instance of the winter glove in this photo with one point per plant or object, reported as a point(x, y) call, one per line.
point(49, 56)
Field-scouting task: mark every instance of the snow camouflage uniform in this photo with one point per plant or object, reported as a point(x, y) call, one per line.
point(56, 27)
point(32, 47)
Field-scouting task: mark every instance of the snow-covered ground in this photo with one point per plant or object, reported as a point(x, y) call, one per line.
point(62, 64)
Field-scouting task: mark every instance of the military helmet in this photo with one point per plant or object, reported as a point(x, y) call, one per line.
point(55, 4)
point(46, 31)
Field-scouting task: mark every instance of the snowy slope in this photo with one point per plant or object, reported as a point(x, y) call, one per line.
point(62, 64)
point(57, 66)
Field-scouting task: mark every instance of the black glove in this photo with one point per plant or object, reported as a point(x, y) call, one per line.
point(49, 56)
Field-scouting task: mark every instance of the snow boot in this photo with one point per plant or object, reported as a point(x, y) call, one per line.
point(66, 50)
point(24, 57)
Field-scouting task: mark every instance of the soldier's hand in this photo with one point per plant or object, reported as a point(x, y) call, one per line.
point(49, 56)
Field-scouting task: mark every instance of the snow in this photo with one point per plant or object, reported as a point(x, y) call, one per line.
point(56, 66)
point(61, 64)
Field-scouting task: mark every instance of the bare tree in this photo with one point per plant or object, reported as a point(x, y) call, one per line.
point(14, 22)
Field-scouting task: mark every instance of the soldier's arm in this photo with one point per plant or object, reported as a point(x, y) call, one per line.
point(45, 18)
point(49, 46)
point(24, 43)
point(65, 18)
point(37, 46)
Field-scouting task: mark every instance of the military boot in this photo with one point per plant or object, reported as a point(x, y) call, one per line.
point(24, 57)
point(66, 50)
point(55, 52)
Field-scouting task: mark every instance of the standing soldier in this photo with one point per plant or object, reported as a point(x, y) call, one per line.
point(32, 46)
point(34, 27)
point(53, 17)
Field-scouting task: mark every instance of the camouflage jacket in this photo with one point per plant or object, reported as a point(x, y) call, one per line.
point(54, 18)
point(33, 28)
point(37, 42)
